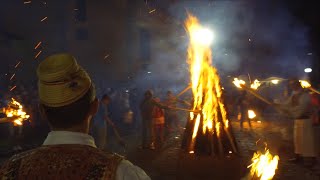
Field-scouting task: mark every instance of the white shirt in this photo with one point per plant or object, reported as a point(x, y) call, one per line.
point(125, 171)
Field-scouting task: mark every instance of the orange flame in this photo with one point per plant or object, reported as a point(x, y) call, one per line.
point(205, 81)
point(15, 109)
point(263, 165)
point(255, 85)
point(238, 82)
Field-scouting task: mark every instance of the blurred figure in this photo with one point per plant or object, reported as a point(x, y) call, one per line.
point(99, 127)
point(243, 105)
point(299, 108)
point(158, 124)
point(146, 107)
point(171, 116)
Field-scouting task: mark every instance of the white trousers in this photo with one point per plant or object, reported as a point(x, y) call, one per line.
point(304, 138)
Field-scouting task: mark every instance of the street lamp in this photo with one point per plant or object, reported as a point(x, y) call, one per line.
point(307, 70)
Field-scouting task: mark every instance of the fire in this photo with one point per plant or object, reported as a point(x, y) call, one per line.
point(255, 85)
point(205, 81)
point(275, 81)
point(238, 82)
point(263, 165)
point(15, 109)
point(251, 114)
point(305, 84)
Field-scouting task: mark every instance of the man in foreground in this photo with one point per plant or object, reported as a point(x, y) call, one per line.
point(68, 102)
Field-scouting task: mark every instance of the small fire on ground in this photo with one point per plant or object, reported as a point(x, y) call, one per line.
point(263, 165)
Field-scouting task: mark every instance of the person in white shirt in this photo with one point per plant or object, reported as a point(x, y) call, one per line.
point(299, 108)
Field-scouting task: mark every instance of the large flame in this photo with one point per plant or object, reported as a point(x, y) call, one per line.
point(263, 165)
point(15, 109)
point(205, 82)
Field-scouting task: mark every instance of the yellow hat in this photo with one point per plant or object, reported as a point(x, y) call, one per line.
point(61, 80)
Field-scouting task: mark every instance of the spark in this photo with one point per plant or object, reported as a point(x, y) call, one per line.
point(106, 56)
point(26, 2)
point(12, 76)
point(13, 88)
point(76, 9)
point(153, 10)
point(39, 43)
point(37, 54)
point(17, 64)
point(44, 19)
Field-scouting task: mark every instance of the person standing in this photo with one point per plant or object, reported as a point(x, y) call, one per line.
point(299, 108)
point(242, 104)
point(146, 107)
point(158, 124)
point(99, 127)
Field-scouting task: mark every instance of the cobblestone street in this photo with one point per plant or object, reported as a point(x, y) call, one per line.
point(170, 162)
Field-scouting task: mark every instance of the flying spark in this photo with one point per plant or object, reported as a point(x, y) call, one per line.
point(39, 43)
point(105, 57)
point(27, 2)
point(13, 88)
point(17, 64)
point(12, 76)
point(153, 10)
point(37, 54)
point(44, 19)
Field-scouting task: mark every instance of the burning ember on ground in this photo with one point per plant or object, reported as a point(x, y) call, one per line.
point(15, 110)
point(251, 114)
point(205, 83)
point(263, 165)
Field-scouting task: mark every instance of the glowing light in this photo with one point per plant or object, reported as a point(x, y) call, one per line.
point(251, 114)
point(238, 82)
point(307, 70)
point(259, 122)
point(256, 84)
point(305, 84)
point(202, 36)
point(275, 81)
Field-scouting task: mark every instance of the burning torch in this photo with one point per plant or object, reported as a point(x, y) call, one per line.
point(307, 85)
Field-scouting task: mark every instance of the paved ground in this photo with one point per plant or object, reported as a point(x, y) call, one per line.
point(169, 162)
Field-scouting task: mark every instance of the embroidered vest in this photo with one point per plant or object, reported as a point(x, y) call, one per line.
point(62, 162)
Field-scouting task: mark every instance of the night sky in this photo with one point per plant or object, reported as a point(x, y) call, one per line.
point(280, 38)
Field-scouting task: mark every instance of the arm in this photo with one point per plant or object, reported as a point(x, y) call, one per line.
point(299, 110)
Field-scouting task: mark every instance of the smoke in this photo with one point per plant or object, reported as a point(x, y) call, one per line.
point(261, 38)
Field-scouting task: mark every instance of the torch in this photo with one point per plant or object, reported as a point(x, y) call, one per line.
point(307, 85)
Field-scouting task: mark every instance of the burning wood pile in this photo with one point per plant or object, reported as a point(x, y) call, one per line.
point(15, 113)
point(208, 129)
